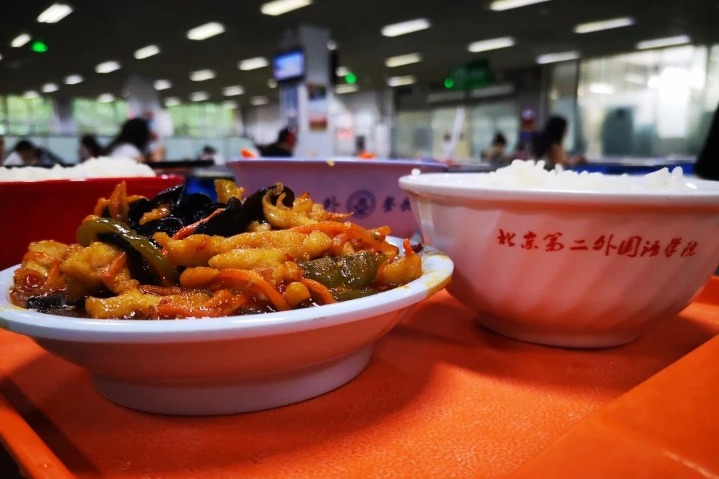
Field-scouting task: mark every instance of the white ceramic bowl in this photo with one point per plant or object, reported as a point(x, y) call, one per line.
point(570, 268)
point(226, 365)
point(367, 188)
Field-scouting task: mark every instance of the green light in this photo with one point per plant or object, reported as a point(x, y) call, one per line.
point(448, 83)
point(38, 46)
point(351, 78)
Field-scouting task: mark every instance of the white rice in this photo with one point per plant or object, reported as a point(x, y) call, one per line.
point(92, 168)
point(533, 175)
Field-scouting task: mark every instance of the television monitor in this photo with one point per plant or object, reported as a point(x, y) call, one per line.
point(289, 65)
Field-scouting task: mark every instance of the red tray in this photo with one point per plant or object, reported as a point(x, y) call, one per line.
point(441, 397)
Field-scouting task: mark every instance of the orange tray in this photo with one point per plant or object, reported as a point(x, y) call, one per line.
point(441, 397)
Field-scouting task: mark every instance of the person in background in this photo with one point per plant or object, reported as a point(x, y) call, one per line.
point(210, 153)
point(132, 141)
point(497, 152)
point(448, 149)
point(707, 164)
point(89, 148)
point(284, 146)
point(2, 148)
point(548, 144)
point(27, 154)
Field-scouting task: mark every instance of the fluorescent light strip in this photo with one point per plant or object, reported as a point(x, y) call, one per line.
point(402, 60)
point(106, 98)
point(600, 25)
point(401, 81)
point(664, 42)
point(203, 32)
point(146, 52)
point(501, 5)
point(233, 90)
point(54, 13)
point(199, 96)
point(252, 63)
point(50, 88)
point(403, 28)
point(162, 84)
point(279, 7)
point(491, 44)
point(601, 88)
point(557, 57)
point(107, 67)
point(202, 75)
point(259, 100)
point(230, 104)
point(20, 40)
point(172, 101)
point(346, 88)
point(30, 94)
point(73, 79)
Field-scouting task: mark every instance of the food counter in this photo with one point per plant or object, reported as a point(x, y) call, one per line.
point(441, 397)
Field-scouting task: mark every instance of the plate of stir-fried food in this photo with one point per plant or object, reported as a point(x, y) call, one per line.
point(186, 304)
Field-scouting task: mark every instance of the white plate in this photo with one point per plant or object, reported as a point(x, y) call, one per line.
point(226, 365)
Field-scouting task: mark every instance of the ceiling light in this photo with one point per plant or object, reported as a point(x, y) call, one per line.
point(401, 81)
point(73, 79)
point(205, 31)
point(230, 104)
point(107, 67)
point(604, 25)
point(202, 75)
point(199, 96)
point(342, 71)
point(54, 13)
point(106, 98)
point(20, 40)
point(259, 100)
point(557, 57)
point(663, 42)
point(500, 5)
point(331, 45)
point(272, 83)
point(401, 60)
point(147, 51)
point(172, 101)
point(492, 44)
point(252, 63)
point(346, 88)
point(601, 88)
point(50, 88)
point(30, 94)
point(233, 90)
point(162, 84)
point(278, 7)
point(404, 28)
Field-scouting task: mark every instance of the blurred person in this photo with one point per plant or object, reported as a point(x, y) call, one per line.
point(132, 141)
point(497, 152)
point(448, 148)
point(210, 153)
point(284, 146)
point(707, 163)
point(548, 144)
point(89, 148)
point(26, 153)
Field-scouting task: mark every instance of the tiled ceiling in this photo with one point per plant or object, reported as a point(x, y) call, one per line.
point(98, 31)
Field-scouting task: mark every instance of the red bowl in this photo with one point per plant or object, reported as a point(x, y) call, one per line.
point(53, 209)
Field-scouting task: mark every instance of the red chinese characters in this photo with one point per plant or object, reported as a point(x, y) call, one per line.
point(608, 244)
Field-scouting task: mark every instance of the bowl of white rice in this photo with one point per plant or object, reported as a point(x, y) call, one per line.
point(50, 203)
point(570, 259)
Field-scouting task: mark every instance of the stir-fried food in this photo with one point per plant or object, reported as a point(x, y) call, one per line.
point(181, 255)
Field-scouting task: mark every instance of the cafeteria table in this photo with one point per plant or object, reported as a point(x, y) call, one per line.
point(441, 397)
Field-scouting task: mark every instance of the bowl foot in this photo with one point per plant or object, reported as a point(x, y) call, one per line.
point(235, 395)
point(564, 339)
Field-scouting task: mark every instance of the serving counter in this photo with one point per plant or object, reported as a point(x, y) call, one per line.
point(441, 397)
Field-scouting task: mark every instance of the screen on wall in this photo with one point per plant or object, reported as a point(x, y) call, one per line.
point(289, 65)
